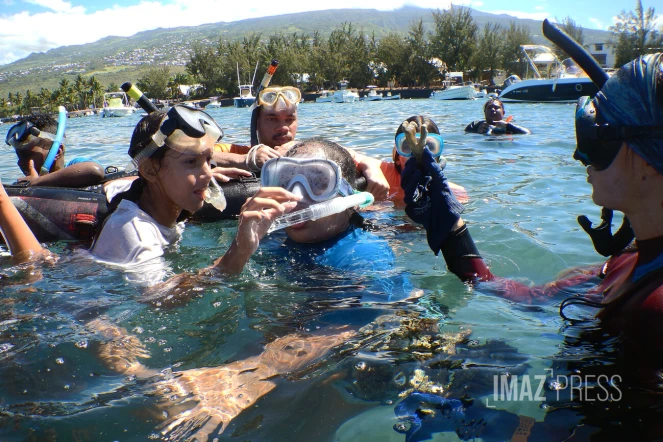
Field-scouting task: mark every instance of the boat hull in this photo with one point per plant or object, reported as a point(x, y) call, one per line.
point(454, 93)
point(243, 102)
point(567, 90)
point(117, 111)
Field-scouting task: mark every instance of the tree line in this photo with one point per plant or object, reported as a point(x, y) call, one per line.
point(419, 59)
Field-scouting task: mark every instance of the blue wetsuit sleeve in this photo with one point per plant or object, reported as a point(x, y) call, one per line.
point(82, 160)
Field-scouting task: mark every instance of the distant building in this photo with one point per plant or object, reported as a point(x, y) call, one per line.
point(604, 53)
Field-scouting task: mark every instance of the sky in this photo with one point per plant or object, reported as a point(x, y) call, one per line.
point(28, 26)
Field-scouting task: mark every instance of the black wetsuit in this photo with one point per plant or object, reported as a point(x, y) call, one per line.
point(483, 127)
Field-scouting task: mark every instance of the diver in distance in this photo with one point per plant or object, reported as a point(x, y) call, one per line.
point(494, 123)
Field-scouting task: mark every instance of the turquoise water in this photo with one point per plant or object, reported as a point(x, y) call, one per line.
point(525, 194)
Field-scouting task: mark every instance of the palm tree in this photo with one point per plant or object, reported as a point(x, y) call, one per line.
point(96, 89)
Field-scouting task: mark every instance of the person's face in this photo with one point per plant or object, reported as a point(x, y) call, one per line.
point(37, 153)
point(494, 112)
point(319, 230)
point(184, 178)
point(617, 187)
point(277, 126)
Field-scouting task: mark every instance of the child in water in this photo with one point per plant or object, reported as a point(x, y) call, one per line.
point(406, 136)
point(172, 152)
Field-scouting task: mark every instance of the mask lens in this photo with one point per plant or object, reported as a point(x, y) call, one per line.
point(402, 146)
point(193, 122)
point(591, 149)
point(320, 178)
point(434, 142)
point(270, 96)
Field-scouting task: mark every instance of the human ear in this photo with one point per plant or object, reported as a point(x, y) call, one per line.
point(148, 171)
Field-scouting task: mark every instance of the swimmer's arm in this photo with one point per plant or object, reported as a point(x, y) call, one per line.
point(463, 260)
point(370, 168)
point(22, 243)
point(87, 173)
point(226, 159)
point(510, 127)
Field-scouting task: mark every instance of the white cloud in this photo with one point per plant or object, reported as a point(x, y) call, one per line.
point(539, 8)
point(598, 24)
point(64, 24)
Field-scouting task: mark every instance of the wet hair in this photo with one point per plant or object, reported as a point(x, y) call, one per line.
point(493, 100)
point(331, 151)
point(340, 156)
point(140, 139)
point(421, 121)
point(43, 122)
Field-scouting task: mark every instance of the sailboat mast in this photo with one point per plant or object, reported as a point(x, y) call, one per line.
point(239, 82)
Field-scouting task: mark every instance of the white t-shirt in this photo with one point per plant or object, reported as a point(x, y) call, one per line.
point(134, 240)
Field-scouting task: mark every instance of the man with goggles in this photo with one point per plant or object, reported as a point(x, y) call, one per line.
point(32, 139)
point(494, 123)
point(274, 125)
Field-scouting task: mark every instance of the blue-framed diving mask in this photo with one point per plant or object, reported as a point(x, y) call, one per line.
point(598, 143)
point(320, 179)
point(434, 142)
point(25, 135)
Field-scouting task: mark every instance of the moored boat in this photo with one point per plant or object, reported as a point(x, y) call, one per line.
point(116, 104)
point(245, 98)
point(343, 94)
point(553, 80)
point(454, 88)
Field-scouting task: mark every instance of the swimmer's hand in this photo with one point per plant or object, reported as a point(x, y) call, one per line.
point(225, 174)
point(429, 200)
point(604, 241)
point(417, 146)
point(256, 217)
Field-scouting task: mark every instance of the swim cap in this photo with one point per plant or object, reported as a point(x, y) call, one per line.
point(633, 96)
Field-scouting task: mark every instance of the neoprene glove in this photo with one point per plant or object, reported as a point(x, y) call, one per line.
point(604, 241)
point(429, 200)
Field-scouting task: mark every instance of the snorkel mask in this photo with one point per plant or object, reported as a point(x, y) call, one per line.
point(184, 129)
point(598, 143)
point(270, 96)
point(321, 179)
point(434, 143)
point(25, 135)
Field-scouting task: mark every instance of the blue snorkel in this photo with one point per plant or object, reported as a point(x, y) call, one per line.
point(50, 158)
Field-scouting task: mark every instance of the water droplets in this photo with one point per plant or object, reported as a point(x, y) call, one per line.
point(59, 361)
point(82, 343)
point(360, 366)
point(5, 347)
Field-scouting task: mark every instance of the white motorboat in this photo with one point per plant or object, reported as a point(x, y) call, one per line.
point(343, 94)
point(553, 81)
point(325, 97)
point(213, 104)
point(116, 104)
point(246, 97)
point(372, 95)
point(454, 88)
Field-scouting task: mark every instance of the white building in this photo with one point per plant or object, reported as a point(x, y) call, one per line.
point(604, 53)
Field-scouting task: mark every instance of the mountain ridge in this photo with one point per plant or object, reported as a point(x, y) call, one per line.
point(117, 59)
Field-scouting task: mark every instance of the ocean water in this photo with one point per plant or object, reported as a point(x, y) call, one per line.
point(525, 194)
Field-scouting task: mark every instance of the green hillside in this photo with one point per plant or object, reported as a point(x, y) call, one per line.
point(118, 59)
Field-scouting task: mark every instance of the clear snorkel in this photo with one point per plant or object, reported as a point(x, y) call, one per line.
point(52, 153)
point(322, 210)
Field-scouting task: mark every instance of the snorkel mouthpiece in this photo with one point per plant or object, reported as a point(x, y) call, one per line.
point(322, 210)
